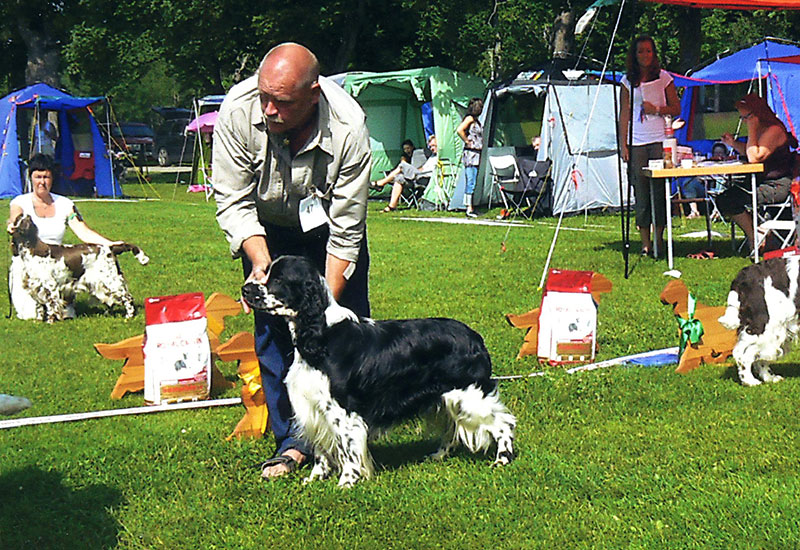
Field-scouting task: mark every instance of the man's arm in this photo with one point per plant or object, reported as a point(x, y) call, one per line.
point(335, 269)
point(233, 175)
point(348, 210)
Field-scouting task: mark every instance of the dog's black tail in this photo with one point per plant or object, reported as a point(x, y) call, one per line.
point(118, 249)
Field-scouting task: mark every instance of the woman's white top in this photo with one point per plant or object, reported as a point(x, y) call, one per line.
point(51, 229)
point(648, 128)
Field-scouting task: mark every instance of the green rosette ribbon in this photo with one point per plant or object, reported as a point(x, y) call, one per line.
point(691, 329)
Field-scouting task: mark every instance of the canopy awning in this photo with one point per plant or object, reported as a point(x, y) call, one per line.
point(734, 4)
point(204, 122)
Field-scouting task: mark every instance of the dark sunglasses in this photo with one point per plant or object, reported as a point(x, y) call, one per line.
point(746, 117)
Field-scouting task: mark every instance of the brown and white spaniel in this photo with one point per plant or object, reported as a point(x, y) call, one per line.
point(54, 274)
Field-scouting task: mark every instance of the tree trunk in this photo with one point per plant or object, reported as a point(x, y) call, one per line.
point(690, 37)
point(563, 34)
point(352, 26)
point(43, 54)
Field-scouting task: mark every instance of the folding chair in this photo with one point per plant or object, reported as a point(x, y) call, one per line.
point(522, 195)
point(444, 182)
point(776, 219)
point(505, 174)
point(413, 191)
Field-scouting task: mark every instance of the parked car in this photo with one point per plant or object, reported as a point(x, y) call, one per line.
point(171, 144)
point(134, 138)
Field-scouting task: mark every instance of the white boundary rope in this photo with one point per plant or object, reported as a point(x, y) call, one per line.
point(593, 366)
point(35, 420)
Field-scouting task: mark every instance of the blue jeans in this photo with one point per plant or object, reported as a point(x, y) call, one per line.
point(274, 344)
point(471, 175)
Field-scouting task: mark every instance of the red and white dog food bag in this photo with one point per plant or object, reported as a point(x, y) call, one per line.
point(177, 353)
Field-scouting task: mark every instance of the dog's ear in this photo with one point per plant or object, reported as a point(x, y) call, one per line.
point(311, 315)
point(314, 300)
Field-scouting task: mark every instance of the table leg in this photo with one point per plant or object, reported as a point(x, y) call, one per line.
point(755, 217)
point(667, 187)
point(653, 240)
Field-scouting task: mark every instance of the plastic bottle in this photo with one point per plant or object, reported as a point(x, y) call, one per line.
point(670, 144)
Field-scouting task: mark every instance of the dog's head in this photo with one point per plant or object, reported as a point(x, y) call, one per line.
point(294, 287)
point(24, 233)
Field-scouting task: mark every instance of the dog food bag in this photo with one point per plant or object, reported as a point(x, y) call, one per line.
point(568, 318)
point(177, 353)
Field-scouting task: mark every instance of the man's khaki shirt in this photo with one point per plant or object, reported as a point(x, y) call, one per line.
point(257, 181)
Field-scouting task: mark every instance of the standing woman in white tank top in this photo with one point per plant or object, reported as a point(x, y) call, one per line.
point(654, 96)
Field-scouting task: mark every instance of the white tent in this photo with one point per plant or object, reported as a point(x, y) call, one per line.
point(578, 134)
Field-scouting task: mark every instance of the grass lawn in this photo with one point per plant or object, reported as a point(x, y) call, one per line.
point(615, 458)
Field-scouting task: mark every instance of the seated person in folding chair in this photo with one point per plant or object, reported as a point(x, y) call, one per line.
point(695, 188)
point(406, 172)
point(769, 143)
point(691, 188)
point(405, 157)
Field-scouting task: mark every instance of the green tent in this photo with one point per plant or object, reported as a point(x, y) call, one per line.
point(393, 104)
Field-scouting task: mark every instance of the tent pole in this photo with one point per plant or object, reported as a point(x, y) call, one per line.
point(110, 152)
point(199, 145)
point(625, 227)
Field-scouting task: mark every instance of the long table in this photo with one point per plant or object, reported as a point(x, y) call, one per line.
point(716, 169)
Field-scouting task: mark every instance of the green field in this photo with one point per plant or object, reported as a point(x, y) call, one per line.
point(624, 457)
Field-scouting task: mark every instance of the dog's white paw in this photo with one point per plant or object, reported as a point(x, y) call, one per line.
point(750, 382)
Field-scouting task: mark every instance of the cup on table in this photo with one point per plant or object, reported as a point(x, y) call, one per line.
point(687, 163)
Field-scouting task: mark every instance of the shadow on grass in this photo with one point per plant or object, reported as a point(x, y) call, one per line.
point(38, 511)
point(787, 370)
point(721, 247)
point(393, 456)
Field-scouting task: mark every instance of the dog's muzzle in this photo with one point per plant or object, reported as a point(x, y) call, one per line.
point(258, 298)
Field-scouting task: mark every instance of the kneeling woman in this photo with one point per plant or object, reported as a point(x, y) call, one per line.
point(51, 214)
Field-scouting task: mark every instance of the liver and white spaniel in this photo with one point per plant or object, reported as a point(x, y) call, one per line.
point(354, 377)
point(764, 309)
point(53, 274)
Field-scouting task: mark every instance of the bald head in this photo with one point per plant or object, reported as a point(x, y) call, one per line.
point(289, 89)
point(292, 61)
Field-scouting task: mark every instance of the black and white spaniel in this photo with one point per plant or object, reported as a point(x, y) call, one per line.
point(355, 377)
point(763, 308)
point(53, 274)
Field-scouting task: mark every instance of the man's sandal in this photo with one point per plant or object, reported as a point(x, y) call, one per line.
point(702, 255)
point(286, 460)
point(389, 209)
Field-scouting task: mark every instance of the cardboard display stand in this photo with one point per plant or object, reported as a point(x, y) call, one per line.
point(716, 343)
point(240, 347)
point(564, 329)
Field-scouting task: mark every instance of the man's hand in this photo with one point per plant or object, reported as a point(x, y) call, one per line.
point(255, 248)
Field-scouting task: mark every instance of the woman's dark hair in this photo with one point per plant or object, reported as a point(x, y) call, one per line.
point(474, 107)
point(40, 161)
point(634, 74)
point(402, 146)
point(719, 146)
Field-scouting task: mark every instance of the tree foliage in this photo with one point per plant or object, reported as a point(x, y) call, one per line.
point(150, 52)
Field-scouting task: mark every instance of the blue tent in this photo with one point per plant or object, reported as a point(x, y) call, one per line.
point(782, 82)
point(85, 168)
